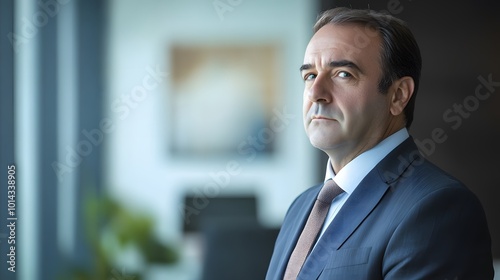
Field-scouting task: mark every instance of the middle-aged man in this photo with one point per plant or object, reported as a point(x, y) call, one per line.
point(383, 212)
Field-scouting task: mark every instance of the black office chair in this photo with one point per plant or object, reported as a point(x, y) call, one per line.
point(224, 209)
point(237, 252)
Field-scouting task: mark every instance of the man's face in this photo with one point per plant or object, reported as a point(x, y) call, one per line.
point(344, 113)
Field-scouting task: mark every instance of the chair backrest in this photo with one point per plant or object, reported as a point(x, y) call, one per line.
point(240, 252)
point(199, 211)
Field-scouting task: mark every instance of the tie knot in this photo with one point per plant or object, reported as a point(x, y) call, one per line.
point(329, 191)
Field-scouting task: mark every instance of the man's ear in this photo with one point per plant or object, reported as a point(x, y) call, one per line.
point(402, 91)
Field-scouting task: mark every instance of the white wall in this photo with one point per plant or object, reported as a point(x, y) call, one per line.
point(140, 171)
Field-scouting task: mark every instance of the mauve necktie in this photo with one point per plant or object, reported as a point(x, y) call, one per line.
point(310, 232)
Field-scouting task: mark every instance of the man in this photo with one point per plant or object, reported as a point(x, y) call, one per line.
point(397, 215)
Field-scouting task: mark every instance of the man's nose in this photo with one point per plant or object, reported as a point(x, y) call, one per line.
point(321, 90)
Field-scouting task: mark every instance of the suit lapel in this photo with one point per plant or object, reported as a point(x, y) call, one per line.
point(297, 221)
point(358, 206)
point(361, 202)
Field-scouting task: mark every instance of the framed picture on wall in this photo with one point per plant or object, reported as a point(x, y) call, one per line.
point(222, 98)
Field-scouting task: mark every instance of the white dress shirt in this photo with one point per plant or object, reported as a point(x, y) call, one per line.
point(352, 173)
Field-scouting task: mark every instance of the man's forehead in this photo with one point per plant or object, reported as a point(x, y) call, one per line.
point(341, 42)
point(322, 57)
point(328, 53)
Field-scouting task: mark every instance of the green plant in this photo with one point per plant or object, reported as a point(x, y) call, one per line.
point(110, 227)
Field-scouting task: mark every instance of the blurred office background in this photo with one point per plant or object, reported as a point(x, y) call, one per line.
point(163, 139)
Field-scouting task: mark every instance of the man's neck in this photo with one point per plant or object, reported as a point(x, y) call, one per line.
point(340, 158)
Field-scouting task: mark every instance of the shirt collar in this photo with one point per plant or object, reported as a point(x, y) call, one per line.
point(349, 177)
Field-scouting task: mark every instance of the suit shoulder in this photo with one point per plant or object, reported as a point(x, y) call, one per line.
point(405, 166)
point(428, 174)
point(305, 198)
point(314, 190)
point(308, 194)
point(427, 181)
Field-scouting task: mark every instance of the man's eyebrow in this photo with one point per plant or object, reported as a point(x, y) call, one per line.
point(344, 63)
point(305, 67)
point(333, 64)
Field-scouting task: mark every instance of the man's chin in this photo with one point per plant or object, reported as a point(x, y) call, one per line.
point(322, 144)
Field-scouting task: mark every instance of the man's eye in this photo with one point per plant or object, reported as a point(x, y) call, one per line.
point(344, 74)
point(309, 77)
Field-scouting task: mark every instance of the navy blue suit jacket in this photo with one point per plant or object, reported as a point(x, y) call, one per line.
point(407, 219)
